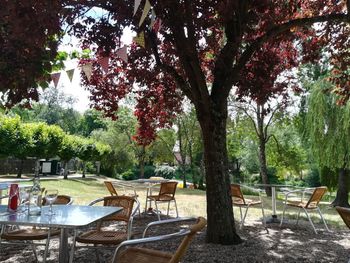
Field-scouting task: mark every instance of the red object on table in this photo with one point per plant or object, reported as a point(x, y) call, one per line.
point(13, 198)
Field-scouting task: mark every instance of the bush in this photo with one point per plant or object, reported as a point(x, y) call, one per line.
point(128, 175)
point(165, 171)
point(313, 178)
point(149, 171)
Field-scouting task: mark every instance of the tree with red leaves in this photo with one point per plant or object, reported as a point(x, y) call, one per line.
point(29, 33)
point(200, 52)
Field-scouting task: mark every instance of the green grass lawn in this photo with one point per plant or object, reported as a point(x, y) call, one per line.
point(190, 202)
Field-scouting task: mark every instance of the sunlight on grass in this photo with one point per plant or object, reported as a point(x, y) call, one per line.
point(190, 202)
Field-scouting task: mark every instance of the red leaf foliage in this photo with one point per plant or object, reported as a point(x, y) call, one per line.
point(27, 46)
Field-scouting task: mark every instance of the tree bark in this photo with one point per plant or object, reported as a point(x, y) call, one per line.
point(262, 148)
point(221, 227)
point(342, 198)
point(84, 168)
point(20, 169)
point(65, 170)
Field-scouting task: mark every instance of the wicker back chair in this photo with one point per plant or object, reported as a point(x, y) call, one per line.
point(61, 200)
point(166, 195)
point(111, 188)
point(239, 201)
point(99, 236)
point(345, 214)
point(311, 204)
point(146, 255)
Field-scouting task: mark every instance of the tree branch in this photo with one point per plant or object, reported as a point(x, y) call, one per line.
point(273, 32)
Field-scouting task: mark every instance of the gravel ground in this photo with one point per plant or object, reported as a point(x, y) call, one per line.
point(290, 243)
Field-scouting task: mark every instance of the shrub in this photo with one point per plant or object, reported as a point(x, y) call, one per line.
point(165, 171)
point(128, 175)
point(149, 171)
point(313, 178)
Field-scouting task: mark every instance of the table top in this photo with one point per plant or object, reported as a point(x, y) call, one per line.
point(66, 216)
point(151, 180)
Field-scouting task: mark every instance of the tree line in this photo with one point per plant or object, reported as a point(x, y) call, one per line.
point(42, 141)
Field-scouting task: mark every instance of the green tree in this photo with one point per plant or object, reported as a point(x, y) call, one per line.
point(328, 127)
point(68, 149)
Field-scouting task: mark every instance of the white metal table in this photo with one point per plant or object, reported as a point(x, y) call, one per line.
point(151, 182)
point(273, 218)
point(66, 217)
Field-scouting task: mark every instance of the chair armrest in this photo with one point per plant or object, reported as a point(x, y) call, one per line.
point(96, 201)
point(180, 233)
point(167, 221)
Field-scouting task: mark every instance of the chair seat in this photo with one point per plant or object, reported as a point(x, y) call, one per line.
point(239, 202)
point(102, 237)
point(143, 255)
point(301, 204)
point(29, 234)
point(160, 197)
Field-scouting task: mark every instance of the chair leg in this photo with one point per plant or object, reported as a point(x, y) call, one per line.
point(167, 212)
point(323, 220)
point(47, 245)
point(34, 251)
point(177, 212)
point(312, 224)
point(263, 214)
point(157, 210)
point(245, 214)
point(298, 216)
point(71, 256)
point(240, 212)
point(284, 210)
point(97, 254)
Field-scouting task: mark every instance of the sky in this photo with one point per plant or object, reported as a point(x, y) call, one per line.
point(74, 88)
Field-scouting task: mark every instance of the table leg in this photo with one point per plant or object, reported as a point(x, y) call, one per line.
point(273, 218)
point(63, 254)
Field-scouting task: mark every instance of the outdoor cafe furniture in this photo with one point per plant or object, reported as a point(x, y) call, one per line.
point(31, 234)
point(239, 200)
point(312, 203)
point(65, 217)
point(166, 194)
point(126, 252)
point(99, 236)
point(345, 214)
point(125, 186)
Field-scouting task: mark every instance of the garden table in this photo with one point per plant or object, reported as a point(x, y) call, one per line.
point(65, 217)
point(150, 183)
point(273, 218)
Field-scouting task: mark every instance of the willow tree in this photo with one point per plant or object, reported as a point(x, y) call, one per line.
point(328, 127)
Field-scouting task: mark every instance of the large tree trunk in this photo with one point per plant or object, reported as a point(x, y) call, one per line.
point(221, 227)
point(142, 156)
point(20, 169)
point(341, 198)
point(262, 148)
point(65, 170)
point(263, 166)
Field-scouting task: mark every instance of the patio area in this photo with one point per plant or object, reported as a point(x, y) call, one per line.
point(287, 244)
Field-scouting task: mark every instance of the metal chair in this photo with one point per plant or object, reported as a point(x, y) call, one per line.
point(110, 188)
point(146, 255)
point(239, 200)
point(305, 205)
point(99, 236)
point(166, 195)
point(345, 214)
point(61, 200)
